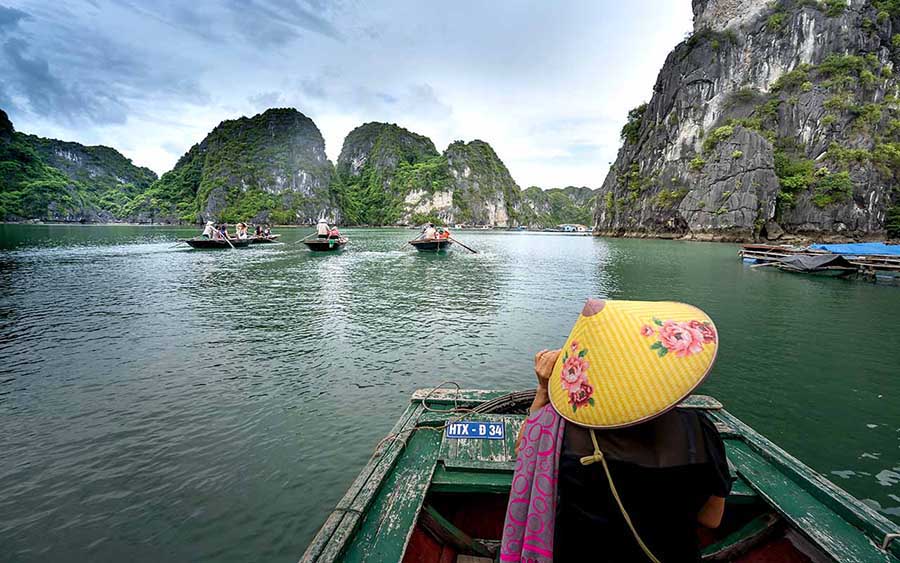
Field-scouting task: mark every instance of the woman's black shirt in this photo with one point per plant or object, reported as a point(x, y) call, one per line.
point(664, 470)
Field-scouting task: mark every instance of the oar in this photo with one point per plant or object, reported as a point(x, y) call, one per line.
point(462, 245)
point(304, 238)
point(229, 243)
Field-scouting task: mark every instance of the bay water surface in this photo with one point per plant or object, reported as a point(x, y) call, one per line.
point(160, 403)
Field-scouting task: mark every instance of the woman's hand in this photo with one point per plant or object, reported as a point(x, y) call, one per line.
point(543, 369)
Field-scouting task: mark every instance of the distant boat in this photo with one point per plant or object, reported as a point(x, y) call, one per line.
point(326, 245)
point(431, 245)
point(427, 495)
point(202, 243)
point(259, 239)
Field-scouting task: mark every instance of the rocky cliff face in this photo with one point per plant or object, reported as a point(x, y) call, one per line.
point(484, 192)
point(64, 181)
point(379, 165)
point(771, 118)
point(267, 168)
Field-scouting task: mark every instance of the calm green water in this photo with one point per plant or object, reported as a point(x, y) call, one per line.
point(167, 404)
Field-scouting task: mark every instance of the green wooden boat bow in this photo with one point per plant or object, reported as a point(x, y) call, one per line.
point(425, 497)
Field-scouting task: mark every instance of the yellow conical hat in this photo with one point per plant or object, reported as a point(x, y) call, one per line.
point(626, 362)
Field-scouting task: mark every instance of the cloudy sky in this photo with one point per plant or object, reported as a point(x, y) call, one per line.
point(547, 83)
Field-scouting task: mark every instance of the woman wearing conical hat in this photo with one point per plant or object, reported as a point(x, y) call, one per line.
point(609, 469)
point(322, 228)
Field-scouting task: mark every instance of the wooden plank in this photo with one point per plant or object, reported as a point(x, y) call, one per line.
point(342, 521)
point(446, 533)
point(446, 395)
point(845, 505)
point(474, 481)
point(483, 454)
point(806, 514)
point(391, 517)
point(739, 542)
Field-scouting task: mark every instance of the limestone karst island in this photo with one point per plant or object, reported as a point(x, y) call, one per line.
point(318, 281)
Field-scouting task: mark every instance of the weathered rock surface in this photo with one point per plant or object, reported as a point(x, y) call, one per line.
point(782, 114)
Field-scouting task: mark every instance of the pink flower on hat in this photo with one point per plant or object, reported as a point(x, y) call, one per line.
point(582, 396)
point(574, 373)
point(681, 338)
point(647, 330)
point(706, 329)
point(574, 346)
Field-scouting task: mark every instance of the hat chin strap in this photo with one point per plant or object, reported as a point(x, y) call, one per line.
point(597, 456)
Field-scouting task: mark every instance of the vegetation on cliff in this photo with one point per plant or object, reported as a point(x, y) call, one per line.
point(270, 167)
point(55, 180)
point(378, 165)
point(556, 206)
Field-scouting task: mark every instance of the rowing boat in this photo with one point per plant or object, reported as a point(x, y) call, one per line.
point(264, 240)
point(431, 245)
point(207, 244)
point(326, 245)
point(427, 496)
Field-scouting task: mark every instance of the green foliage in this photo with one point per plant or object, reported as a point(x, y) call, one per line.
point(867, 79)
point(667, 199)
point(806, 86)
point(792, 79)
point(632, 129)
point(892, 221)
point(841, 65)
point(891, 7)
point(882, 17)
point(697, 163)
point(38, 183)
point(717, 136)
point(776, 21)
point(737, 154)
point(833, 188)
point(834, 8)
point(795, 175)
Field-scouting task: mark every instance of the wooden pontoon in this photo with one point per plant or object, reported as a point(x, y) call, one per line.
point(209, 244)
point(424, 497)
point(431, 244)
point(866, 266)
point(326, 245)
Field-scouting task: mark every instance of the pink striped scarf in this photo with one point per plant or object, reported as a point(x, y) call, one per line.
point(531, 514)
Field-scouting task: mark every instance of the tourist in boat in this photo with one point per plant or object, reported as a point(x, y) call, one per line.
point(333, 232)
point(445, 233)
point(430, 232)
point(241, 230)
point(322, 228)
point(633, 476)
point(209, 230)
point(259, 231)
point(223, 231)
point(267, 232)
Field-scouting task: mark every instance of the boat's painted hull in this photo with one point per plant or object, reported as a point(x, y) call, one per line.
point(322, 245)
point(264, 240)
point(431, 245)
point(426, 497)
point(209, 244)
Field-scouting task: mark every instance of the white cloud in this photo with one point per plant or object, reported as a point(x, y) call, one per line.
point(548, 85)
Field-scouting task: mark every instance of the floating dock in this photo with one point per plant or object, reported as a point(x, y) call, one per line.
point(870, 261)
